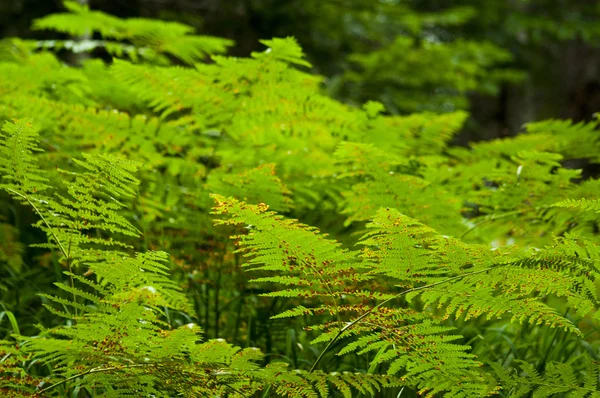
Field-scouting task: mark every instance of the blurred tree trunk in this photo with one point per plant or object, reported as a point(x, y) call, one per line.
point(581, 66)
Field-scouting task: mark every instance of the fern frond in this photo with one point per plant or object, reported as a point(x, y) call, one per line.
point(574, 140)
point(19, 170)
point(319, 384)
point(283, 49)
point(583, 204)
point(91, 205)
point(495, 282)
point(317, 266)
point(385, 181)
point(418, 348)
point(151, 36)
point(410, 252)
point(417, 135)
point(578, 378)
point(258, 185)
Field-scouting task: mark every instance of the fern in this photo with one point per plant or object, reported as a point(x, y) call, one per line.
point(498, 284)
point(386, 181)
point(118, 342)
point(466, 280)
point(317, 267)
point(118, 336)
point(252, 185)
point(583, 204)
point(578, 378)
point(150, 39)
point(469, 260)
point(18, 143)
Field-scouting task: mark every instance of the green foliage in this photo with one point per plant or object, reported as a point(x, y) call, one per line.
point(116, 341)
point(432, 76)
point(466, 280)
point(392, 262)
point(435, 54)
point(136, 38)
point(316, 268)
point(559, 378)
point(19, 172)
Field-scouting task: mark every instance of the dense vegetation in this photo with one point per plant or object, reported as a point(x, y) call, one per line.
point(178, 222)
point(515, 61)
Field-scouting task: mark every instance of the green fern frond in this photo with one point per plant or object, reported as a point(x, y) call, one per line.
point(317, 266)
point(151, 36)
point(319, 384)
point(576, 378)
point(383, 180)
point(173, 89)
point(583, 204)
point(283, 49)
point(417, 135)
point(495, 282)
point(43, 75)
point(91, 205)
point(257, 185)
point(410, 252)
point(578, 140)
point(19, 170)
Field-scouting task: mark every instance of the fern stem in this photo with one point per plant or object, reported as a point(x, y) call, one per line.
point(493, 217)
point(60, 246)
point(71, 275)
point(369, 312)
point(217, 313)
point(65, 253)
point(97, 369)
point(100, 369)
point(266, 393)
